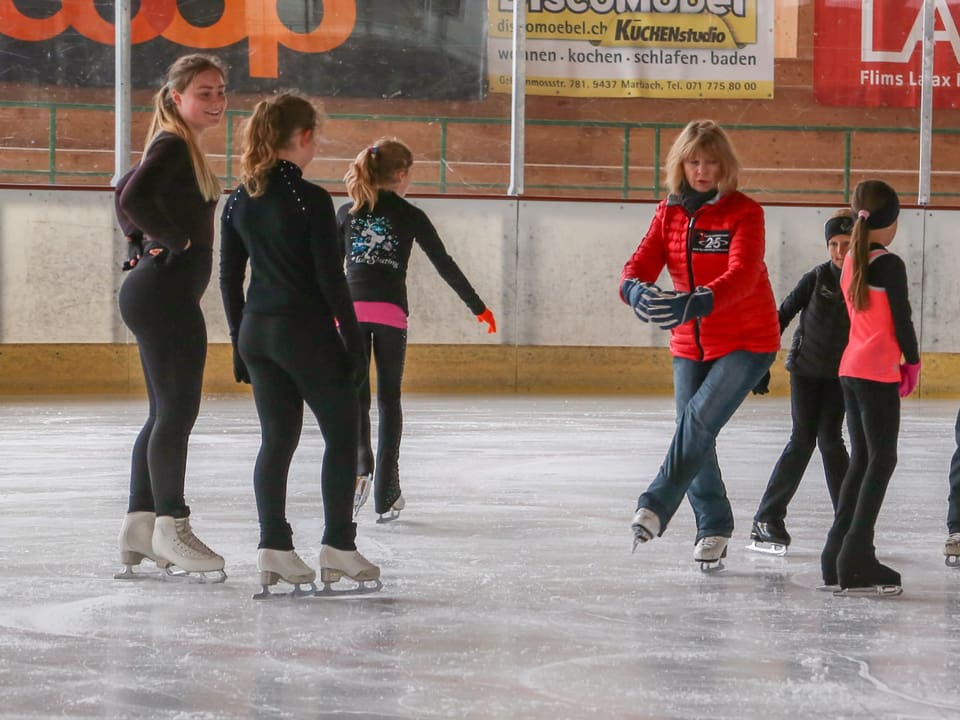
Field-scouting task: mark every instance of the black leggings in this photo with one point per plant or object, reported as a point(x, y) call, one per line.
point(816, 405)
point(873, 421)
point(160, 304)
point(387, 347)
point(291, 361)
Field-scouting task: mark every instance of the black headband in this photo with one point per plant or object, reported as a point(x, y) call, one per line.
point(842, 225)
point(884, 216)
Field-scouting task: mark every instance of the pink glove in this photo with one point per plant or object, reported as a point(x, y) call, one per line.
point(487, 317)
point(909, 374)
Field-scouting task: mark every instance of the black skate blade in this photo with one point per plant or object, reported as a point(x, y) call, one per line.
point(298, 592)
point(952, 561)
point(870, 591)
point(765, 548)
point(363, 587)
point(175, 574)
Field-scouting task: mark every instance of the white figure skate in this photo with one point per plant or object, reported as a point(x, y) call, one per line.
point(174, 542)
point(769, 539)
point(709, 552)
point(361, 493)
point(394, 512)
point(136, 543)
point(645, 526)
point(951, 550)
point(336, 564)
point(286, 565)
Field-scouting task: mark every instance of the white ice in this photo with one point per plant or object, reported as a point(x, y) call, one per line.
point(509, 586)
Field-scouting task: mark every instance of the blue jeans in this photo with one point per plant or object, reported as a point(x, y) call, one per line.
point(707, 394)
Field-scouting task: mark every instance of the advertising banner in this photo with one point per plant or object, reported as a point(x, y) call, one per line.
point(868, 53)
point(637, 48)
point(355, 48)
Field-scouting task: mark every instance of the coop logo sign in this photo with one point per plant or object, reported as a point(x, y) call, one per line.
point(256, 21)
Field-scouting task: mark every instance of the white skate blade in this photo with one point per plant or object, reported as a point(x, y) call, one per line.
point(952, 561)
point(298, 592)
point(175, 574)
point(711, 566)
point(361, 493)
point(767, 548)
point(870, 591)
point(128, 574)
point(362, 587)
point(828, 588)
point(388, 517)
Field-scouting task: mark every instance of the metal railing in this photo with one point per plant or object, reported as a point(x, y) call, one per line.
point(444, 183)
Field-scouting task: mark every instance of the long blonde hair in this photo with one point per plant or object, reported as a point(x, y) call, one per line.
point(167, 118)
point(376, 166)
point(870, 197)
point(270, 129)
point(703, 137)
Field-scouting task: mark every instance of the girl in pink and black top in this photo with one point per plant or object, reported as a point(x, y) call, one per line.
point(378, 231)
point(880, 365)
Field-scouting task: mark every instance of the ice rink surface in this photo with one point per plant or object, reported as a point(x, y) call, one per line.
point(509, 586)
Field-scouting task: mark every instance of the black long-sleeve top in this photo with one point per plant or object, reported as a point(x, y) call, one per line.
point(888, 271)
point(162, 198)
point(819, 341)
point(378, 242)
point(289, 236)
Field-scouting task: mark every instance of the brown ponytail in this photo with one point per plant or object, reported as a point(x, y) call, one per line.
point(270, 129)
point(374, 168)
point(876, 206)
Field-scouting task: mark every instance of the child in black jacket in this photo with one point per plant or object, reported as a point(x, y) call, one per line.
point(816, 398)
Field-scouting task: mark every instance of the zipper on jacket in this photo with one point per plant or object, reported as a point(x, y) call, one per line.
point(696, 327)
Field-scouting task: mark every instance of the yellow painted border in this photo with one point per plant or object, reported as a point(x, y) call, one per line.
point(80, 368)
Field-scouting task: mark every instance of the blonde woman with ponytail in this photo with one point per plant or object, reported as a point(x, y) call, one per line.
point(378, 228)
point(295, 337)
point(165, 206)
point(880, 365)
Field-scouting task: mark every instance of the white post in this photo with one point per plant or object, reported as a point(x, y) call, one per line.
point(518, 96)
point(926, 104)
point(121, 90)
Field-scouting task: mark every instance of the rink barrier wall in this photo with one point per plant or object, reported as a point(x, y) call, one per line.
point(547, 268)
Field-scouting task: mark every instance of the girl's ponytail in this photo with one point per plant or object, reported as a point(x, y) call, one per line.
point(267, 131)
point(876, 206)
point(374, 168)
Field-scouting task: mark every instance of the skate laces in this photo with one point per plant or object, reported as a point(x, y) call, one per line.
point(710, 543)
point(188, 540)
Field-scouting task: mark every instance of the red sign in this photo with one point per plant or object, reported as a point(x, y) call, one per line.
point(869, 53)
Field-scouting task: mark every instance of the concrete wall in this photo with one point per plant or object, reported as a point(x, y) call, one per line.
point(548, 270)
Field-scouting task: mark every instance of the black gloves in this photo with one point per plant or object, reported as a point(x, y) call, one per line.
point(134, 251)
point(763, 386)
point(240, 372)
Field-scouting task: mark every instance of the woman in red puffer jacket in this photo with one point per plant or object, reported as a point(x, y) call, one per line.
point(723, 321)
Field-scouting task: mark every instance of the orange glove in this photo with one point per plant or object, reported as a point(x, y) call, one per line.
point(487, 317)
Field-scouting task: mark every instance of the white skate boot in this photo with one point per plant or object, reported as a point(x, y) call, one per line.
point(394, 512)
point(174, 541)
point(362, 492)
point(335, 564)
point(286, 565)
point(136, 543)
point(951, 550)
point(646, 526)
point(710, 552)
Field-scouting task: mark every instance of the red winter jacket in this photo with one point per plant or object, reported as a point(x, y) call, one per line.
point(721, 247)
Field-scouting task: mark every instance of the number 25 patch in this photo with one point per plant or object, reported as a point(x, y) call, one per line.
point(711, 241)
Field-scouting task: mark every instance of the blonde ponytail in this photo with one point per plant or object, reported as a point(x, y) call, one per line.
point(375, 167)
point(167, 118)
